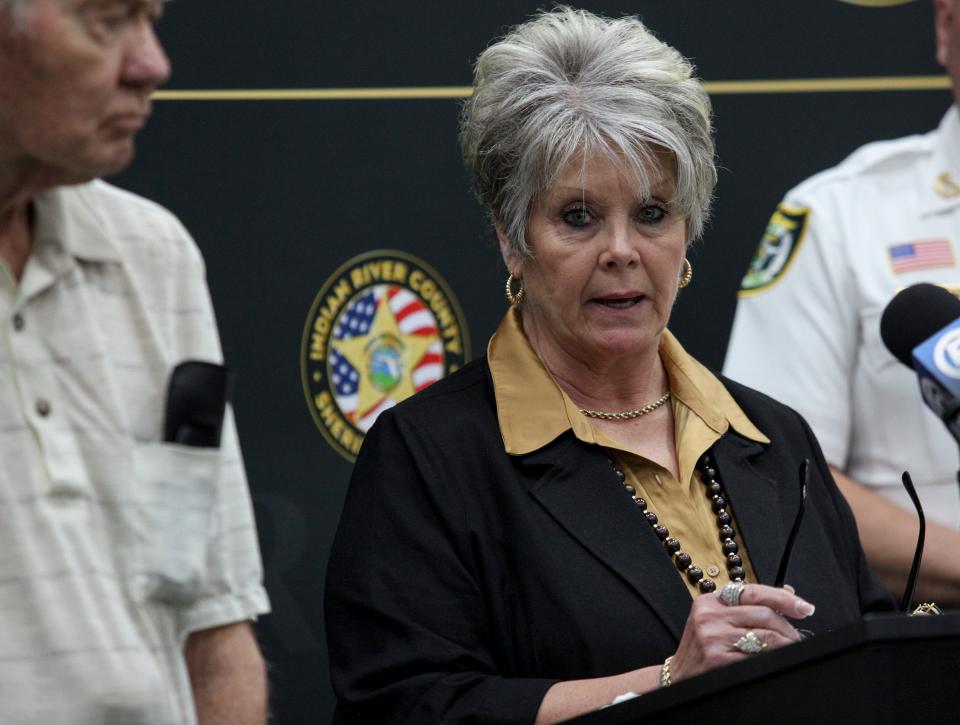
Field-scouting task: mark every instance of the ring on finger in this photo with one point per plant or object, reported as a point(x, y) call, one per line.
point(730, 593)
point(750, 643)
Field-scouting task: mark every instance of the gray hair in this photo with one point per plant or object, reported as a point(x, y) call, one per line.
point(568, 84)
point(15, 11)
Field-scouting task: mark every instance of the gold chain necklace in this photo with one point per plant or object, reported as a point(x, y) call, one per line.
point(627, 414)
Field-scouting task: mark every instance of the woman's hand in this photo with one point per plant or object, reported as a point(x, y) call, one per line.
point(713, 627)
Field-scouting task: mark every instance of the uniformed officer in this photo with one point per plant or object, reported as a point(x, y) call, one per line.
point(806, 330)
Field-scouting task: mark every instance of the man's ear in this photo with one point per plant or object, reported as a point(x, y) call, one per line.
point(943, 10)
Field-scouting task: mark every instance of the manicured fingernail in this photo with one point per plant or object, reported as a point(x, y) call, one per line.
point(806, 608)
point(789, 588)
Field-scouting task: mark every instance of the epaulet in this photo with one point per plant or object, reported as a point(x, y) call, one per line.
point(874, 157)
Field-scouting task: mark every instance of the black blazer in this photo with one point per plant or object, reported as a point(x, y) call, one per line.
point(464, 582)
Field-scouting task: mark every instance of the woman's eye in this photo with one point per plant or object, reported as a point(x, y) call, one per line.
point(578, 217)
point(652, 214)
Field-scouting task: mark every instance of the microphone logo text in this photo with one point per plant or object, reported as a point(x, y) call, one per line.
point(946, 354)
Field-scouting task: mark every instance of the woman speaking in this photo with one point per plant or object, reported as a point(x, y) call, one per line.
point(587, 511)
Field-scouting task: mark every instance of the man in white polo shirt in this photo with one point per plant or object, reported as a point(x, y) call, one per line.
point(129, 568)
point(807, 331)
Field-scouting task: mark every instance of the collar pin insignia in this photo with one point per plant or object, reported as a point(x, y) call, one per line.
point(945, 185)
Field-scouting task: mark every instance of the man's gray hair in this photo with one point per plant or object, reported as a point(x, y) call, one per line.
point(14, 10)
point(568, 84)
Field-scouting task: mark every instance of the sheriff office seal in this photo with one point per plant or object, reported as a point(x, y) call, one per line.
point(383, 326)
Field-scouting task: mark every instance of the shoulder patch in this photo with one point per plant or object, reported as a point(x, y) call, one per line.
point(778, 247)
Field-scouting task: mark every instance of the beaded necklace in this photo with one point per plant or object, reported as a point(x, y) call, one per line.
point(714, 491)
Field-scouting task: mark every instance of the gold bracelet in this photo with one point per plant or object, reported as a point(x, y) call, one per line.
point(665, 672)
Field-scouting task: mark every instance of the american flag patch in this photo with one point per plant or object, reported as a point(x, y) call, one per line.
point(924, 254)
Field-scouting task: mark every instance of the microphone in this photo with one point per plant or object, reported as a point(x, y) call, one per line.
point(921, 328)
point(906, 601)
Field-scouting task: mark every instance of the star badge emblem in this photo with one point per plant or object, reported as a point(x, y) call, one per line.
point(385, 358)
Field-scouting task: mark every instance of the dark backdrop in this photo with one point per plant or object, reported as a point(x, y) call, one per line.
point(280, 193)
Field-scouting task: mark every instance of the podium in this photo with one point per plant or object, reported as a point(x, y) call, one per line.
point(886, 669)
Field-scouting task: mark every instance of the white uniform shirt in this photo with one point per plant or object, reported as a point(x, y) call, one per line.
point(807, 326)
point(113, 546)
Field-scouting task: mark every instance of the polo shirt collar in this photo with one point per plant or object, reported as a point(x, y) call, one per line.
point(532, 410)
point(65, 218)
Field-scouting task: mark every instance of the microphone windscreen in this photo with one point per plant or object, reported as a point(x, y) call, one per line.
point(914, 315)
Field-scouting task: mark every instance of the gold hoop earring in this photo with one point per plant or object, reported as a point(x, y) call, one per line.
point(687, 273)
point(514, 298)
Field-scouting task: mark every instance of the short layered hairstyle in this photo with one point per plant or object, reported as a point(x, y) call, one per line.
point(569, 84)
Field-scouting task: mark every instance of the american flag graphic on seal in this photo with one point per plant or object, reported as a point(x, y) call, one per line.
point(413, 318)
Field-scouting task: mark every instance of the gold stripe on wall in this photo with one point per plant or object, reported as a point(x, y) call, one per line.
point(830, 85)
point(792, 85)
point(318, 94)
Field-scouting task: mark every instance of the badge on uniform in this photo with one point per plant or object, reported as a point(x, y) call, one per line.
point(945, 186)
point(778, 247)
point(921, 254)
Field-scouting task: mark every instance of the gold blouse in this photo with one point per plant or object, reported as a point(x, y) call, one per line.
point(533, 410)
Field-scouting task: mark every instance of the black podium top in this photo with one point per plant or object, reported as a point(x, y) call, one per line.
point(885, 669)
